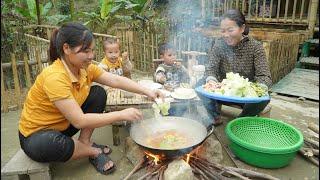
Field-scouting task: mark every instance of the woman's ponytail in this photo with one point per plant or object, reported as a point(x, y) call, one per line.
point(53, 53)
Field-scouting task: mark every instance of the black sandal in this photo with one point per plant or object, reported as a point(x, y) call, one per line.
point(100, 161)
point(102, 147)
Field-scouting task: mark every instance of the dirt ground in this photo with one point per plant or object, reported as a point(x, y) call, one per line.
point(288, 109)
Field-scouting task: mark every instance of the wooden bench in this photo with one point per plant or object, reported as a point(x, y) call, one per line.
point(21, 166)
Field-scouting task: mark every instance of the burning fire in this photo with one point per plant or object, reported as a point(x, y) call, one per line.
point(156, 158)
point(188, 158)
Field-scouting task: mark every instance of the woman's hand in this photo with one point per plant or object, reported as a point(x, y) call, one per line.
point(154, 94)
point(131, 114)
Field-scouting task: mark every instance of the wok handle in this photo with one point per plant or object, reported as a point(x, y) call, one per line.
point(210, 130)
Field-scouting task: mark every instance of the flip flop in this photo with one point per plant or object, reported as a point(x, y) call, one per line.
point(99, 163)
point(102, 147)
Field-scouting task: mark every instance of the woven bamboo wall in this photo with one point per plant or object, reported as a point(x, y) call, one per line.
point(281, 49)
point(282, 52)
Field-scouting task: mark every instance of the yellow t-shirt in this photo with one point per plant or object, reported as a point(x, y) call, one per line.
point(114, 68)
point(54, 83)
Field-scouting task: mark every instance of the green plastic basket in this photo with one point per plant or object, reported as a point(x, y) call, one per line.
point(263, 142)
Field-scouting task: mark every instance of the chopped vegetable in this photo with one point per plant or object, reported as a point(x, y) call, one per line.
point(162, 108)
point(168, 139)
point(236, 85)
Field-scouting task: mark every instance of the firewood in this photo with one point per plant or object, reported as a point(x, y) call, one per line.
point(314, 127)
point(312, 142)
point(199, 171)
point(252, 174)
point(162, 172)
point(149, 173)
point(315, 152)
point(138, 166)
point(243, 172)
point(310, 158)
point(312, 135)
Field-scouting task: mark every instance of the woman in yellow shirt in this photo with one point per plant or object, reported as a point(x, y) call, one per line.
point(61, 102)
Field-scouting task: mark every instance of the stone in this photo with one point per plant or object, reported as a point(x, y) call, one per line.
point(133, 151)
point(178, 170)
point(211, 150)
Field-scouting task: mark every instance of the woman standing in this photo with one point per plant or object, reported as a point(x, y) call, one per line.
point(236, 52)
point(61, 102)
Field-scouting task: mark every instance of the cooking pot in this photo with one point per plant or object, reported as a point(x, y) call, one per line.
point(195, 133)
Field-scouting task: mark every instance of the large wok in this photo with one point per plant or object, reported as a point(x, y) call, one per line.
point(194, 131)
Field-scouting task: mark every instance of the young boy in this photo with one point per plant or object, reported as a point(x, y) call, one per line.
point(112, 62)
point(171, 72)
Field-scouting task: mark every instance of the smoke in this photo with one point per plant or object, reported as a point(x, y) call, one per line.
point(187, 19)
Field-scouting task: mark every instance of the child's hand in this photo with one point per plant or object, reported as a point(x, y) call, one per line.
point(162, 79)
point(178, 64)
point(125, 56)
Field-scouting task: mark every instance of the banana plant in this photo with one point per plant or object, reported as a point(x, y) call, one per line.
point(31, 11)
point(113, 11)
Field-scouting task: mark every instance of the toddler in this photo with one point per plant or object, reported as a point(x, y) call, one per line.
point(173, 73)
point(112, 62)
point(170, 71)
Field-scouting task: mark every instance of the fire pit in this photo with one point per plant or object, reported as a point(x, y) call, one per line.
point(196, 165)
point(169, 137)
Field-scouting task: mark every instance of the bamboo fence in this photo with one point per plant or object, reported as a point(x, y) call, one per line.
point(265, 11)
point(281, 46)
point(281, 50)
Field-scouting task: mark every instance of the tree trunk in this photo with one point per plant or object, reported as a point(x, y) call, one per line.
point(71, 8)
point(38, 12)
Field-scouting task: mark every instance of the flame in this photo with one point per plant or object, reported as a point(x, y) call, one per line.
point(156, 158)
point(188, 158)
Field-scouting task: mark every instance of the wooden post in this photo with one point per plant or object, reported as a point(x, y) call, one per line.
point(278, 10)
point(313, 16)
point(48, 33)
point(26, 67)
point(203, 10)
point(213, 8)
point(257, 7)
point(294, 11)
point(301, 10)
point(286, 11)
point(4, 99)
point(144, 51)
point(38, 59)
point(270, 12)
point(244, 6)
point(152, 47)
point(249, 11)
point(264, 9)
point(16, 80)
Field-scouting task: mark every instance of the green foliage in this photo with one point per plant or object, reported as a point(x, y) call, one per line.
point(63, 7)
point(30, 11)
point(58, 19)
point(112, 12)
